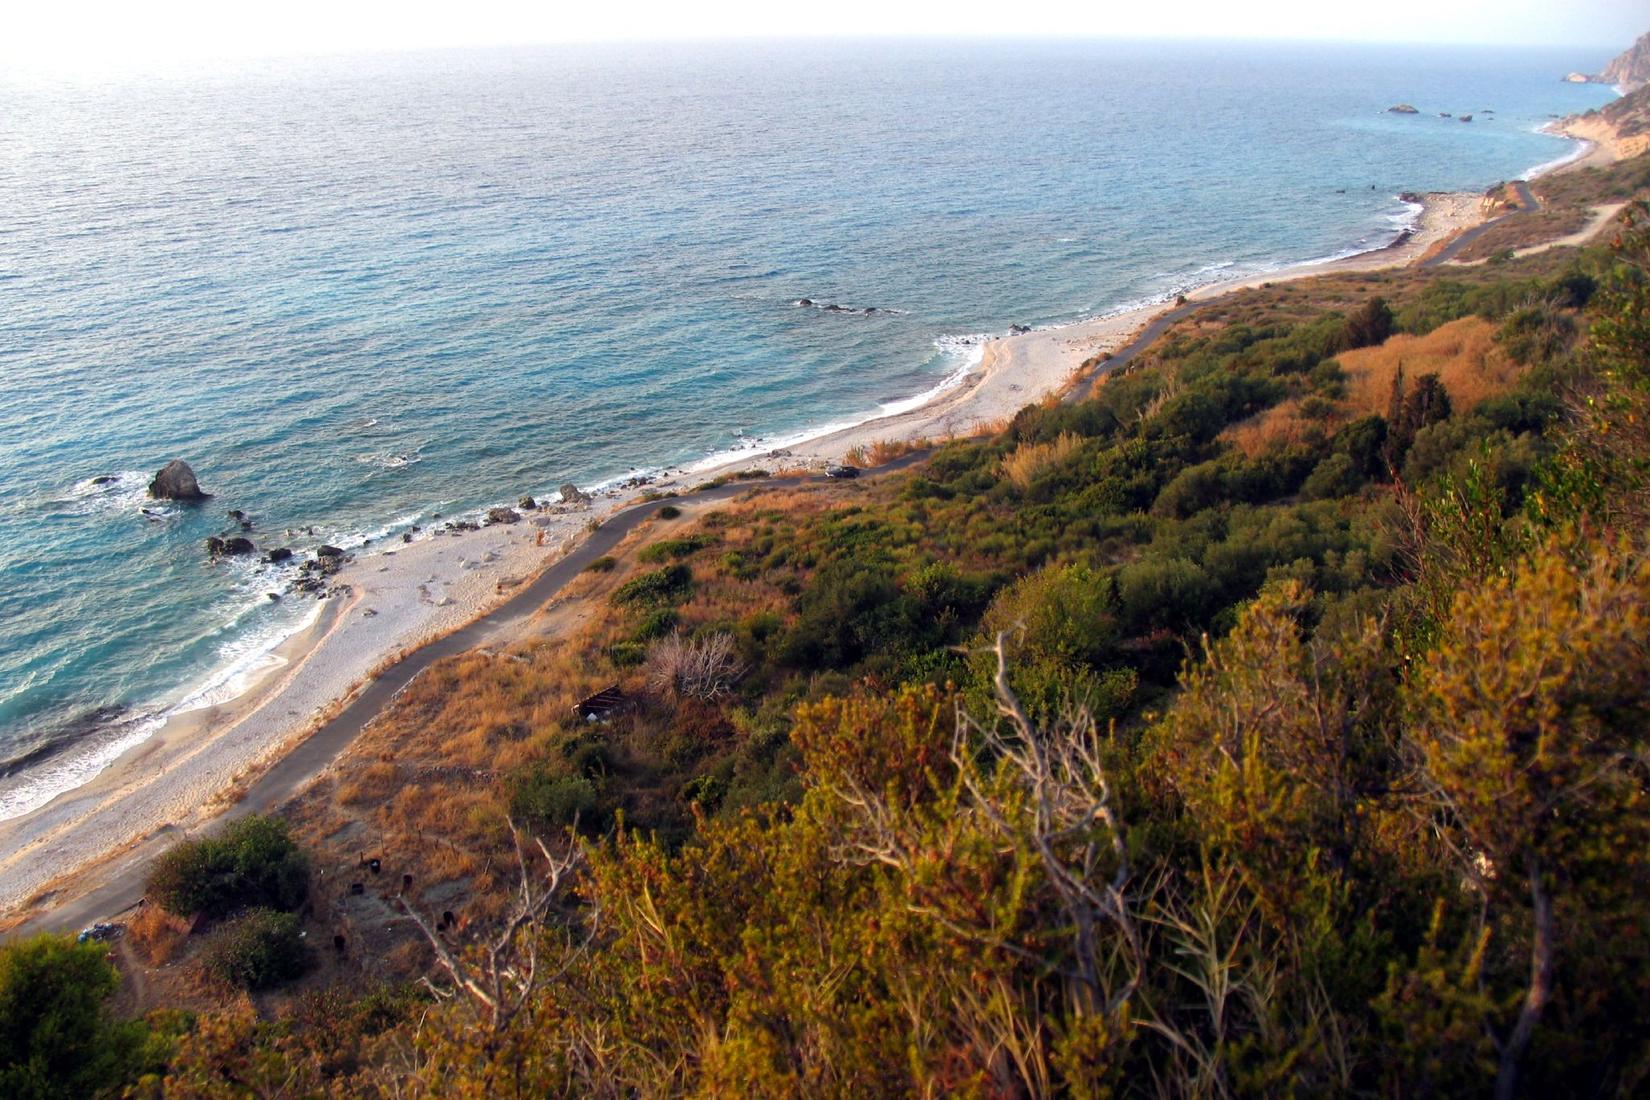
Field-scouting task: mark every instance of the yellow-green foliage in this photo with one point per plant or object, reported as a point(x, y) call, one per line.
point(1534, 710)
point(1028, 460)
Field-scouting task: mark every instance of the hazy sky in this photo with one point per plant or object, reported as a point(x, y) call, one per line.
point(94, 33)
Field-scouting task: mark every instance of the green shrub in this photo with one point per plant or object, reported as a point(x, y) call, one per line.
point(603, 564)
point(627, 654)
point(660, 586)
point(1061, 614)
point(253, 862)
point(258, 950)
point(655, 624)
point(1336, 476)
point(672, 549)
point(669, 511)
point(57, 1037)
point(549, 802)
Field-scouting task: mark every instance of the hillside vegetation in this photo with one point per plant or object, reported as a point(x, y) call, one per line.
point(1273, 722)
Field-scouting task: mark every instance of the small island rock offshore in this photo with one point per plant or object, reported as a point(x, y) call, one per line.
point(176, 481)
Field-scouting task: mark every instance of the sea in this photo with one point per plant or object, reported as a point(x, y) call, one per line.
point(357, 291)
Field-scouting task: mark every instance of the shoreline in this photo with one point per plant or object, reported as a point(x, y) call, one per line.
point(395, 598)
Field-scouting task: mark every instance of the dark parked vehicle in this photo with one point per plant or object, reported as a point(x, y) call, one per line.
point(100, 933)
point(842, 471)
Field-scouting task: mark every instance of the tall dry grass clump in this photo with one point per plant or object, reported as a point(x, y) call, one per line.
point(1030, 459)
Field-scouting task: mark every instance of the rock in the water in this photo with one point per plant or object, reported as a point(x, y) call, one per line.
point(503, 515)
point(527, 504)
point(570, 494)
point(227, 548)
point(105, 479)
point(176, 481)
point(1402, 109)
point(329, 552)
point(1018, 330)
point(278, 555)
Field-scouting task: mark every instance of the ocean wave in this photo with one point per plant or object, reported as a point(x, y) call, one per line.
point(390, 461)
point(124, 492)
point(82, 754)
point(241, 661)
point(967, 350)
point(1579, 148)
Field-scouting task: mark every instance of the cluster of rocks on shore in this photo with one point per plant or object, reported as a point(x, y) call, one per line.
point(177, 481)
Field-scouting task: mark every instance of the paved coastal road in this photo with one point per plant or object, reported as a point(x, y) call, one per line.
point(124, 887)
point(1126, 354)
point(1527, 204)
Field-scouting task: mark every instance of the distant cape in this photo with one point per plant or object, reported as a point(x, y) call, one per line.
point(1628, 72)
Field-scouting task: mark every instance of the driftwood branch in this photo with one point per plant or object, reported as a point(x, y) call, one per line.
point(502, 973)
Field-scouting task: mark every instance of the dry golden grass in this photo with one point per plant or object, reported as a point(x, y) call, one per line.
point(886, 450)
point(1030, 459)
point(1464, 354)
point(1278, 426)
point(154, 936)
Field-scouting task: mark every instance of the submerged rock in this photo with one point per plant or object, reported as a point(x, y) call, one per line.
point(176, 481)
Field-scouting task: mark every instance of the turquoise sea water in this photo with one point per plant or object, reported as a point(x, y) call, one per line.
point(359, 290)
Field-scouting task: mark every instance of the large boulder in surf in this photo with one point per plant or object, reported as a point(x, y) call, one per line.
point(229, 548)
point(502, 515)
point(570, 494)
point(176, 481)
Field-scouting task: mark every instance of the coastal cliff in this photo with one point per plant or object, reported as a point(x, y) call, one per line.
point(1631, 70)
point(1622, 127)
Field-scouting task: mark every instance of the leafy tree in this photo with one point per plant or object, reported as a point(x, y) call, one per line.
point(1370, 324)
point(57, 1037)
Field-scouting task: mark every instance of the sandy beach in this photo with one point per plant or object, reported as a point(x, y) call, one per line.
point(392, 598)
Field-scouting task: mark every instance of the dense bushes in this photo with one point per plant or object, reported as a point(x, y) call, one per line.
point(258, 950)
point(57, 1036)
point(253, 862)
point(549, 802)
point(660, 586)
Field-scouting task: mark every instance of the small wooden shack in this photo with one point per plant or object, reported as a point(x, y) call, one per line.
point(600, 706)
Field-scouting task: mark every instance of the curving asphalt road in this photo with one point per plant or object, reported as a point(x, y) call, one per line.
point(123, 889)
point(1527, 204)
